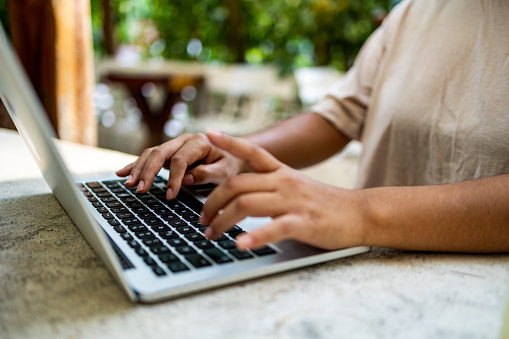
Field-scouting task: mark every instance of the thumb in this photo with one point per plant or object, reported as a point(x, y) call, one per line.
point(256, 157)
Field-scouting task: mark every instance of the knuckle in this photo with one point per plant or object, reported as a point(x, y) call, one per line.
point(200, 137)
point(179, 160)
point(243, 203)
point(287, 227)
point(233, 183)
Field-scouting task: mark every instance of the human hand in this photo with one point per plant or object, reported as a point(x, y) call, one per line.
point(210, 164)
point(303, 209)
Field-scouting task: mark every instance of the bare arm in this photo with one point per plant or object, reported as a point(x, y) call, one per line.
point(471, 216)
point(301, 141)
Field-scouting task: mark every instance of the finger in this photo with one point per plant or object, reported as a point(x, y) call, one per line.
point(256, 157)
point(264, 204)
point(281, 228)
point(214, 173)
point(232, 188)
point(156, 159)
point(193, 150)
point(124, 172)
point(137, 167)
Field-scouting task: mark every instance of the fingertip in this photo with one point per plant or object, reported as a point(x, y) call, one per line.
point(188, 179)
point(209, 233)
point(245, 241)
point(141, 186)
point(214, 133)
point(169, 193)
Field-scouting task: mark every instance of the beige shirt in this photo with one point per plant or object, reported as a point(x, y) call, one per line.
point(428, 95)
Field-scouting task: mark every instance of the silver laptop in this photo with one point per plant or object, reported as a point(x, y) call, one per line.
point(155, 248)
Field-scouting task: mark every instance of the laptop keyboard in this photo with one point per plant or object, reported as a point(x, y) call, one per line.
point(166, 234)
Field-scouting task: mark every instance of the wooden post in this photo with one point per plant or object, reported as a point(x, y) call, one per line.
point(109, 43)
point(54, 42)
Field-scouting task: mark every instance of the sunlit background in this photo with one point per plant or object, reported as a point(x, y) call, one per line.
point(234, 65)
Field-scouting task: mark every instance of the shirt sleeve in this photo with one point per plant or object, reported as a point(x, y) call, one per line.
point(346, 103)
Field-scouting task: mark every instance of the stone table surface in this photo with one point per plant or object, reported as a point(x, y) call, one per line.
point(54, 286)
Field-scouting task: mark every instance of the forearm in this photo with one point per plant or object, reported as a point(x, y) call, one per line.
point(301, 141)
point(471, 216)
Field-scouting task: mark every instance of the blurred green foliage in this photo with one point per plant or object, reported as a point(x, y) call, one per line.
point(289, 33)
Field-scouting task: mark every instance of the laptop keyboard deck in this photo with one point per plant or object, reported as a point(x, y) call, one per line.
point(166, 234)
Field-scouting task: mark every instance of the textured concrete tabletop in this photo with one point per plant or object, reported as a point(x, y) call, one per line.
point(54, 286)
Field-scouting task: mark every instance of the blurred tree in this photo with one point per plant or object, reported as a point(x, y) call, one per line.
point(290, 33)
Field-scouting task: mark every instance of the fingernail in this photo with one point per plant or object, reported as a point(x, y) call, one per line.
point(211, 131)
point(203, 220)
point(129, 179)
point(140, 186)
point(209, 233)
point(188, 179)
point(169, 193)
point(245, 241)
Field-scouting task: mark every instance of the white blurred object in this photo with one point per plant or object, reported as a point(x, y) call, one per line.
point(315, 82)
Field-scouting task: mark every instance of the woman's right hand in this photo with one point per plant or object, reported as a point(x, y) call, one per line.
point(192, 160)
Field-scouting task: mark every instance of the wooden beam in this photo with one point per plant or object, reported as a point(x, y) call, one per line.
point(54, 42)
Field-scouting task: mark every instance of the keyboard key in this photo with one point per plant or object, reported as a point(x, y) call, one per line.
point(186, 250)
point(143, 196)
point(240, 254)
point(227, 244)
point(141, 252)
point(126, 236)
point(140, 209)
point(113, 204)
point(138, 228)
point(133, 243)
point(177, 242)
point(94, 184)
point(169, 235)
point(177, 267)
point(107, 215)
point(173, 204)
point(160, 228)
point(125, 215)
point(153, 221)
point(145, 235)
point(204, 244)
point(119, 209)
point(131, 221)
point(154, 242)
point(162, 210)
point(217, 255)
point(168, 258)
point(186, 230)
point(177, 223)
point(194, 237)
point(158, 271)
point(190, 217)
point(113, 222)
point(160, 250)
point(149, 261)
point(197, 260)
point(223, 237)
point(264, 251)
point(120, 229)
point(146, 215)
